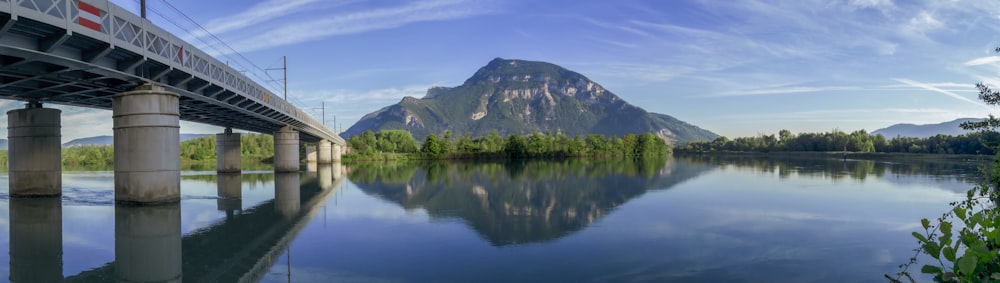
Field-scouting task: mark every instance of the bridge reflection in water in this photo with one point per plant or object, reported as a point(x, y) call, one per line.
point(149, 246)
point(36, 240)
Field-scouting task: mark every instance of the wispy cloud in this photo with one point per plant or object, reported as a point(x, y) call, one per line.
point(619, 27)
point(942, 85)
point(885, 115)
point(786, 90)
point(644, 72)
point(351, 105)
point(255, 15)
point(881, 5)
point(359, 22)
point(948, 86)
point(922, 23)
point(940, 90)
point(391, 94)
point(983, 61)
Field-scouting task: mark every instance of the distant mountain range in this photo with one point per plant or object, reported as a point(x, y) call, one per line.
point(922, 131)
point(524, 97)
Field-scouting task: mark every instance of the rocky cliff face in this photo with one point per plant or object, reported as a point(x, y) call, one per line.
point(523, 97)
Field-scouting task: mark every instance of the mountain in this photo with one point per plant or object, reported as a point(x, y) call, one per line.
point(523, 97)
point(922, 131)
point(98, 140)
point(109, 140)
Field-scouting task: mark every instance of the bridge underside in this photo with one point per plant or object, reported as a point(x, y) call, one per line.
point(43, 63)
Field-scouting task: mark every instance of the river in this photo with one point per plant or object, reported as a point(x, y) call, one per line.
point(683, 219)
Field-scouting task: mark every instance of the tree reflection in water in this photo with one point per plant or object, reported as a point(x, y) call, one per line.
point(518, 201)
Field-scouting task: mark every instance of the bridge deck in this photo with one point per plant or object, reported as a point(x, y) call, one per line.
point(81, 52)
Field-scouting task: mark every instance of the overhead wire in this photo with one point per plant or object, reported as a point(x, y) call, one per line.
point(254, 70)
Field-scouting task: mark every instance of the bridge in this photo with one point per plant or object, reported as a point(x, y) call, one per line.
point(92, 53)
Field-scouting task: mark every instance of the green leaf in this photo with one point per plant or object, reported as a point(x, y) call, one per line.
point(930, 269)
point(967, 265)
point(946, 227)
point(920, 237)
point(960, 212)
point(933, 249)
point(926, 223)
point(949, 253)
point(977, 219)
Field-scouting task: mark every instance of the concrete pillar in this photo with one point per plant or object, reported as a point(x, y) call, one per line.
point(227, 152)
point(147, 145)
point(35, 152)
point(148, 243)
point(311, 153)
point(325, 176)
point(325, 154)
point(36, 251)
point(311, 166)
point(230, 187)
point(337, 152)
point(287, 201)
point(286, 150)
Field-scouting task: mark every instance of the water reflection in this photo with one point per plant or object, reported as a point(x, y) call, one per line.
point(36, 249)
point(286, 193)
point(325, 176)
point(521, 201)
point(955, 173)
point(148, 243)
point(149, 246)
point(230, 193)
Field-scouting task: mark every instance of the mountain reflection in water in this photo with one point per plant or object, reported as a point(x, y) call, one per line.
point(518, 202)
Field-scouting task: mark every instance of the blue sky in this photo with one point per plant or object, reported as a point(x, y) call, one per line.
point(737, 68)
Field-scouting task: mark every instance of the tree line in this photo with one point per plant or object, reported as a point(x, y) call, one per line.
point(857, 141)
point(396, 144)
point(254, 148)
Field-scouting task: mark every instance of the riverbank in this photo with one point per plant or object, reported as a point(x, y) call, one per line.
point(848, 155)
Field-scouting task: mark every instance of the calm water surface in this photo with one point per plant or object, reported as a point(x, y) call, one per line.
point(686, 219)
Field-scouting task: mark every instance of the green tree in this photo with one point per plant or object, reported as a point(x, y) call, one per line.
point(432, 147)
point(516, 146)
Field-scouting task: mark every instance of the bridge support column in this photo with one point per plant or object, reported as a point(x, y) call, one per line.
point(36, 247)
point(325, 156)
point(35, 152)
point(337, 152)
point(227, 152)
point(286, 150)
point(147, 145)
point(310, 153)
point(148, 243)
